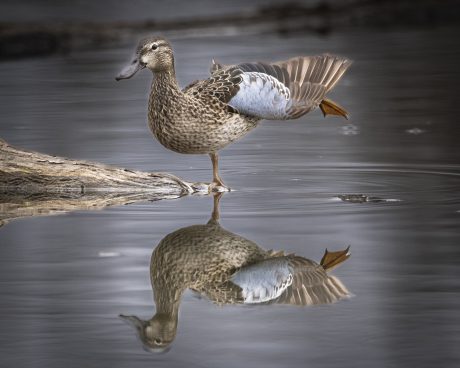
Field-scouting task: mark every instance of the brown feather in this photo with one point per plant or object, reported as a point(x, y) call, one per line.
point(310, 78)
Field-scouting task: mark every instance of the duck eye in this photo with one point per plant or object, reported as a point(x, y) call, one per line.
point(154, 46)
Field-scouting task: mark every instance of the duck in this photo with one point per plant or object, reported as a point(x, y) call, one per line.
point(208, 115)
point(227, 268)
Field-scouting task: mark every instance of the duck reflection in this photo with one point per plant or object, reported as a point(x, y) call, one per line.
point(229, 269)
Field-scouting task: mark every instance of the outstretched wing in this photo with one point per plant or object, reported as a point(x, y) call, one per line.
point(288, 89)
point(288, 280)
point(283, 90)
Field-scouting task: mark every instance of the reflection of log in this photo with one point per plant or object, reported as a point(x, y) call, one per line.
point(33, 183)
point(22, 205)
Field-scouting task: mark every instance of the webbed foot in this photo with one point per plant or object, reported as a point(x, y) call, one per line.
point(218, 187)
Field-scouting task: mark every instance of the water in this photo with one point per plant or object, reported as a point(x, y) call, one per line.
point(65, 279)
point(109, 10)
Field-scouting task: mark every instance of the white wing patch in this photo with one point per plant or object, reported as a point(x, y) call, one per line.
point(263, 281)
point(263, 96)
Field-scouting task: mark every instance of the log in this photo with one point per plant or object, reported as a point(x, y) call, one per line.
point(33, 183)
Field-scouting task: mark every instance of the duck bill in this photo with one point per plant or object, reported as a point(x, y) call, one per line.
point(131, 69)
point(133, 321)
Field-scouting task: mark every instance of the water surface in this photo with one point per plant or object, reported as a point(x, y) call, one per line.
point(65, 279)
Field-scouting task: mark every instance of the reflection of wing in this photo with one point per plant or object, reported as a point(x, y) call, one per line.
point(263, 281)
point(311, 285)
point(288, 280)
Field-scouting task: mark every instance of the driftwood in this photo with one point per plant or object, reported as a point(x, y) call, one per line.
point(33, 183)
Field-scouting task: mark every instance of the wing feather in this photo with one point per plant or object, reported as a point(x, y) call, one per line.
point(222, 85)
point(307, 79)
point(261, 95)
point(283, 90)
point(311, 284)
point(287, 280)
point(264, 281)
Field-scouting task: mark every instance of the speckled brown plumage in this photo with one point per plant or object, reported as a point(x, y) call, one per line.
point(210, 114)
point(187, 123)
point(200, 257)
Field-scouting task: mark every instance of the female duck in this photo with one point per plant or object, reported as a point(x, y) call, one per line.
point(209, 114)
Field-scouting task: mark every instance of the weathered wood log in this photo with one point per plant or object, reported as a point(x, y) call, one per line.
point(33, 183)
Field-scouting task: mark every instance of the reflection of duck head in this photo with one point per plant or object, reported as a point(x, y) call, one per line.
point(157, 333)
point(229, 269)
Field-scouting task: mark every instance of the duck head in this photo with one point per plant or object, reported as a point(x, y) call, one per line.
point(154, 53)
point(156, 334)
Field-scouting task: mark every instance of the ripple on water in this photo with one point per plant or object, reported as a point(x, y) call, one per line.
point(381, 183)
point(362, 198)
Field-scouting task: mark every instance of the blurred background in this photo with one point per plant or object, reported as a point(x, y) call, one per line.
point(65, 279)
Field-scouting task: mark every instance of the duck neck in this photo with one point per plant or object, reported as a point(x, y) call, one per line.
point(165, 93)
point(167, 301)
point(164, 82)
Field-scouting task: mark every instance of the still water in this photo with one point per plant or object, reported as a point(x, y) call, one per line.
point(66, 279)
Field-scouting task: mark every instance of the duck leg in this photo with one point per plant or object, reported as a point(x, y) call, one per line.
point(215, 209)
point(217, 184)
